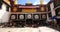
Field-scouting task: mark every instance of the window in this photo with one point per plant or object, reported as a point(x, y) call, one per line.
point(38, 9)
point(58, 12)
point(49, 14)
point(0, 4)
point(49, 8)
point(7, 8)
point(19, 9)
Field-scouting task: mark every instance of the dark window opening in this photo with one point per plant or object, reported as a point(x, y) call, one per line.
point(38, 9)
point(7, 8)
point(19, 9)
point(57, 12)
point(0, 4)
point(49, 8)
point(49, 14)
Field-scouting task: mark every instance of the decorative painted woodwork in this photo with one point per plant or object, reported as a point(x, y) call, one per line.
point(14, 9)
point(29, 16)
point(13, 16)
point(42, 9)
point(36, 16)
point(21, 16)
point(43, 16)
point(29, 10)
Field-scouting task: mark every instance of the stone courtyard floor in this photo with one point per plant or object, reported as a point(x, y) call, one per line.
point(28, 29)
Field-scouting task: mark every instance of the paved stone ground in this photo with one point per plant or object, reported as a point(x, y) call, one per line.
point(55, 27)
point(28, 29)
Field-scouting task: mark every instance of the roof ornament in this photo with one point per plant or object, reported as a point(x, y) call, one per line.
point(41, 3)
point(15, 2)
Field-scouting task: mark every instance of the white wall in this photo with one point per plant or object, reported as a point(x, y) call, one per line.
point(52, 9)
point(4, 15)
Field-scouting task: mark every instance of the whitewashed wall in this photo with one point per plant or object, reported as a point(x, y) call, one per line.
point(52, 9)
point(4, 15)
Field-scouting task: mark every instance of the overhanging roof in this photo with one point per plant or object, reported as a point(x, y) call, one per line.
point(28, 6)
point(7, 1)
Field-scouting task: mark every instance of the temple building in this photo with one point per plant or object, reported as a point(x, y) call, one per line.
point(28, 13)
